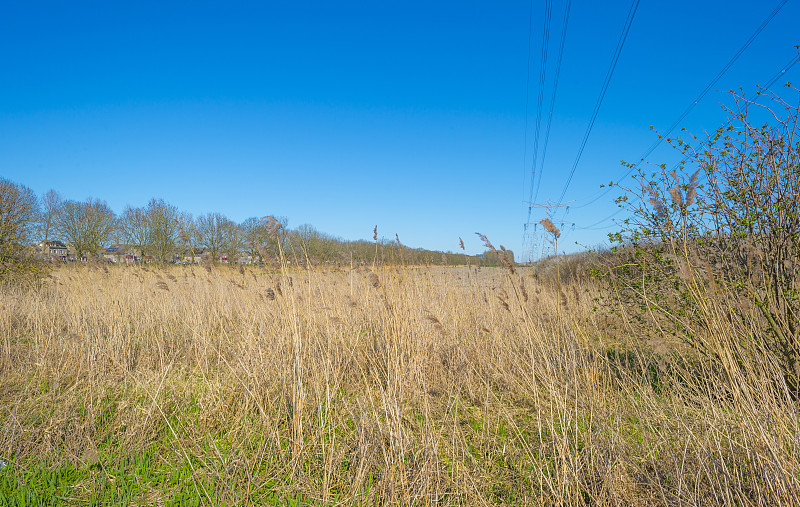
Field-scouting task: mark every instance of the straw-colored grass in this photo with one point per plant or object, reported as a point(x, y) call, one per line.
point(397, 385)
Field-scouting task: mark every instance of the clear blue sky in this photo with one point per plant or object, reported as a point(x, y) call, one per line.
point(409, 115)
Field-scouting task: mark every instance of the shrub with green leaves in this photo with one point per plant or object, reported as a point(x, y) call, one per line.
point(712, 247)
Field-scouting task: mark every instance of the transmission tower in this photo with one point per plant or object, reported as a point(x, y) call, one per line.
point(533, 237)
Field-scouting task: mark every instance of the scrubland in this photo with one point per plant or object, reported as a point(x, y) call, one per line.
point(382, 385)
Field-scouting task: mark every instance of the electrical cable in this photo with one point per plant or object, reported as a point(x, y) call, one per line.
point(525, 137)
point(699, 98)
point(542, 80)
point(604, 89)
point(767, 86)
point(542, 76)
point(552, 100)
point(527, 96)
point(593, 226)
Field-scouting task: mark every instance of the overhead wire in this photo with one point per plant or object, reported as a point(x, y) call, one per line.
point(527, 97)
point(593, 227)
point(542, 80)
point(525, 137)
point(540, 99)
point(552, 99)
point(700, 97)
point(791, 63)
point(604, 89)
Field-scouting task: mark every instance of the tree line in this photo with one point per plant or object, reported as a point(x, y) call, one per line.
point(160, 232)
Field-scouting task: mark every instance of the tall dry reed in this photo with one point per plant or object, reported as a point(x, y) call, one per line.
point(453, 386)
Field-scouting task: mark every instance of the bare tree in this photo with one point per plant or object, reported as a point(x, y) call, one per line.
point(235, 243)
point(86, 225)
point(51, 202)
point(154, 230)
point(187, 233)
point(316, 246)
point(19, 212)
point(267, 240)
point(163, 220)
point(254, 235)
point(135, 228)
point(213, 234)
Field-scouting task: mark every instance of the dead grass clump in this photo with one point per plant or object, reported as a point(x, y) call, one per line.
point(374, 281)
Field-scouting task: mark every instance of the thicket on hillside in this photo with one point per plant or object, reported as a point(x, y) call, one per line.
point(711, 252)
point(318, 247)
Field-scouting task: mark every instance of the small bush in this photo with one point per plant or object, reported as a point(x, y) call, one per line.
point(714, 252)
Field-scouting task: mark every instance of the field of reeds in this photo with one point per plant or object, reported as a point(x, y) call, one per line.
point(386, 385)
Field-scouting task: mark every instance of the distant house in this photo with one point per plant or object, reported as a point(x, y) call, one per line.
point(186, 256)
point(110, 254)
point(53, 250)
point(244, 258)
point(119, 253)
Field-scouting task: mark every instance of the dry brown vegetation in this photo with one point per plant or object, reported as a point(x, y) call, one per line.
point(392, 385)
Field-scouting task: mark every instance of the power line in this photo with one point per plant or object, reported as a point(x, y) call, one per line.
point(536, 177)
point(552, 100)
point(527, 95)
point(542, 75)
point(701, 96)
point(548, 206)
point(593, 227)
point(767, 86)
point(615, 59)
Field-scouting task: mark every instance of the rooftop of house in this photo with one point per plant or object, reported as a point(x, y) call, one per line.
point(53, 244)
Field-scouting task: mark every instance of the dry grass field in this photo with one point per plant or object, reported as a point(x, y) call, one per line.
point(184, 385)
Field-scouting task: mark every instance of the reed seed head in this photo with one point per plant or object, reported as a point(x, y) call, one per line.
point(504, 303)
point(676, 195)
point(550, 227)
point(274, 227)
point(691, 192)
point(488, 244)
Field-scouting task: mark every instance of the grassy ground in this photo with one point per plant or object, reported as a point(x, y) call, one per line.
point(187, 386)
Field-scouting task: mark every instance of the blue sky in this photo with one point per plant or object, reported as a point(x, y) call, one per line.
point(408, 115)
